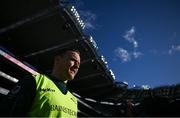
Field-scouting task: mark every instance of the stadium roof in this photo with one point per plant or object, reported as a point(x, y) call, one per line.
point(33, 34)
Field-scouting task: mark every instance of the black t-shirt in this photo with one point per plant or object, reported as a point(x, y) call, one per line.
point(19, 99)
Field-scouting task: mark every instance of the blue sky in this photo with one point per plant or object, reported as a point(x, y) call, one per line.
point(140, 39)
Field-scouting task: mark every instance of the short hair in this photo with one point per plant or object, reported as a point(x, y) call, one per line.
point(61, 52)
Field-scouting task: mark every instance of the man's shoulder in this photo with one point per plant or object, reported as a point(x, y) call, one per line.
point(27, 79)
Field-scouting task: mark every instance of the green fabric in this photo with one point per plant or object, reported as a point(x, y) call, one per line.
point(50, 101)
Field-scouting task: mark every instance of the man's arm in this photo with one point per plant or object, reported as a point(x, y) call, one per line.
point(19, 100)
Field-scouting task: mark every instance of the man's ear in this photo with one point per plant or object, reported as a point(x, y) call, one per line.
point(56, 58)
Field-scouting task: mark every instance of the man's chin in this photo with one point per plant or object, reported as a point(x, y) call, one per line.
point(70, 78)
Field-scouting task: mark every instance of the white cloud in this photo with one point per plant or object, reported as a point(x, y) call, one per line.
point(89, 15)
point(122, 54)
point(137, 54)
point(130, 36)
point(89, 25)
point(77, 3)
point(125, 55)
point(89, 18)
point(174, 49)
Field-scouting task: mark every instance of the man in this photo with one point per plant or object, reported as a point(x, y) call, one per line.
point(46, 95)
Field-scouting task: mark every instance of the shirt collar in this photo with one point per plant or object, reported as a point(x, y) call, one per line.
point(60, 84)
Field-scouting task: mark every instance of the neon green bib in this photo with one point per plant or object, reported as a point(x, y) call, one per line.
point(51, 102)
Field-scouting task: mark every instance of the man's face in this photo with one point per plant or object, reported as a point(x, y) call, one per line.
point(68, 65)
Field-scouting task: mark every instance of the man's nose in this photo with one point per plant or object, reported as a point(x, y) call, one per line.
point(76, 65)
